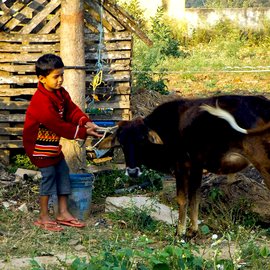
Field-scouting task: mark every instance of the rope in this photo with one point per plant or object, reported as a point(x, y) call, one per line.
point(97, 79)
point(228, 69)
point(105, 131)
point(248, 67)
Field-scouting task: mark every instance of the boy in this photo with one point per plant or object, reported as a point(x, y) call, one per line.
point(51, 115)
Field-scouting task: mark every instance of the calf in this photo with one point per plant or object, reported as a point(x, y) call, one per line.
point(184, 136)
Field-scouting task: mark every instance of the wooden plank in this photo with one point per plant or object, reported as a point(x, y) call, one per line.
point(13, 10)
point(108, 68)
point(108, 46)
point(28, 48)
point(118, 45)
point(14, 105)
point(119, 102)
point(38, 38)
point(113, 36)
point(4, 9)
point(114, 117)
point(93, 16)
point(41, 15)
point(118, 88)
point(119, 76)
point(113, 98)
point(112, 55)
point(91, 67)
point(23, 14)
point(90, 25)
point(18, 79)
point(126, 20)
point(51, 24)
point(112, 105)
point(111, 23)
point(15, 58)
point(17, 68)
point(7, 144)
point(115, 23)
point(15, 131)
point(18, 118)
point(16, 91)
point(5, 153)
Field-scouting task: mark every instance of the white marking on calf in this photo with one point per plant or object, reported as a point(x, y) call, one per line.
point(130, 171)
point(217, 111)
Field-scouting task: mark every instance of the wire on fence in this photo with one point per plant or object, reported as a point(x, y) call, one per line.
point(227, 69)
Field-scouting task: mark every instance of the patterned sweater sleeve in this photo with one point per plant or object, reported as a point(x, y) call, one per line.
point(48, 115)
point(73, 113)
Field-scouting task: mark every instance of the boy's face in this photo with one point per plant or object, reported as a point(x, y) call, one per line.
point(54, 80)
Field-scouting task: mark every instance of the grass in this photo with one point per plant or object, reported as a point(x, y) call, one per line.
point(205, 77)
point(210, 57)
point(130, 237)
point(227, 64)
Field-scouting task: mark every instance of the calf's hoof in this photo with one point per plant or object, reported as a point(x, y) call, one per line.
point(187, 235)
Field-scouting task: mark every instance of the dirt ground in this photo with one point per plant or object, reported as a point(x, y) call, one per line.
point(249, 183)
point(194, 85)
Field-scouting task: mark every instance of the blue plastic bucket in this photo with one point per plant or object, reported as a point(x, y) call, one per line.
point(79, 201)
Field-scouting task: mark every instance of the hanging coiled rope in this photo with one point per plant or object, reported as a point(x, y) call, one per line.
point(98, 78)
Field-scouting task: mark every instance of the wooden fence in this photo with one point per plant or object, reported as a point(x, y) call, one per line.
point(29, 29)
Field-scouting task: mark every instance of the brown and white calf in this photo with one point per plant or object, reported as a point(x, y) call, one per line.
point(186, 136)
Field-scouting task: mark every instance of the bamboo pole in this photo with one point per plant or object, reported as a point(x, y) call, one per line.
point(72, 53)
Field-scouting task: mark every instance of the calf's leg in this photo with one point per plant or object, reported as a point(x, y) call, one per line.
point(194, 185)
point(182, 177)
point(257, 150)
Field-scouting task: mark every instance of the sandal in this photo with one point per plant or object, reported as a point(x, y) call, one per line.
point(48, 226)
point(72, 222)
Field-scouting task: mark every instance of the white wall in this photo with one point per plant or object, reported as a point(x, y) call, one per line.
point(203, 17)
point(244, 17)
point(176, 8)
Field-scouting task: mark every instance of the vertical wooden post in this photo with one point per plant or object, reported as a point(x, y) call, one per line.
point(72, 53)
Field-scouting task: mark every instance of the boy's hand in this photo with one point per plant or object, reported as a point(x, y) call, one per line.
point(91, 129)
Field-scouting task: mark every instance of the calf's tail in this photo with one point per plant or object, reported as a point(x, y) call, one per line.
point(217, 111)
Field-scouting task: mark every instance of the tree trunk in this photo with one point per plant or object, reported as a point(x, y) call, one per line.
point(72, 53)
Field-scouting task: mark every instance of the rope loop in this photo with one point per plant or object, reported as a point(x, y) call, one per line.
point(97, 80)
point(105, 131)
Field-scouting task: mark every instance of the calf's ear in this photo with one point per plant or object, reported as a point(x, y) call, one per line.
point(108, 142)
point(154, 137)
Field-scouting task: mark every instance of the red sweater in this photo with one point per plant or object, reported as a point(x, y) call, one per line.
point(51, 115)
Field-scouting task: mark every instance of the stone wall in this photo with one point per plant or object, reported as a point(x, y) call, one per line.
point(207, 17)
point(253, 18)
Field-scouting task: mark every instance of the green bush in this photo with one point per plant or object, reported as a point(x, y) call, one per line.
point(223, 215)
point(146, 59)
point(107, 182)
point(137, 219)
point(22, 161)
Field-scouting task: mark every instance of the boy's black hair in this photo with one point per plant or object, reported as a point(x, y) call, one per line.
point(47, 63)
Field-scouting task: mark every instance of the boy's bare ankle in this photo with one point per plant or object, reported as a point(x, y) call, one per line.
point(64, 215)
point(45, 218)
